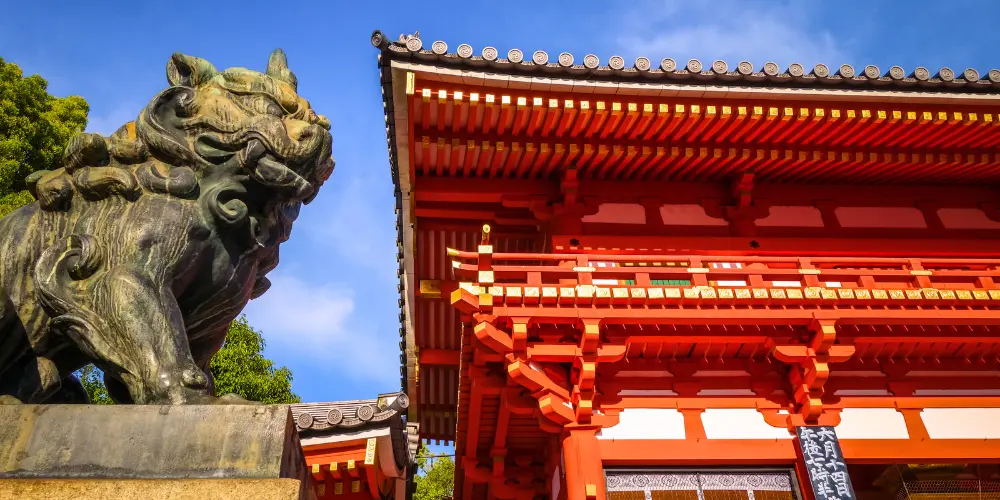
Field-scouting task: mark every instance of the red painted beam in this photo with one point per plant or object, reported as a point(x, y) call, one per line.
point(782, 451)
point(755, 317)
point(463, 190)
point(774, 246)
point(440, 357)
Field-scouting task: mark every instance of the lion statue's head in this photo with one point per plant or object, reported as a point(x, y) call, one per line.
point(241, 142)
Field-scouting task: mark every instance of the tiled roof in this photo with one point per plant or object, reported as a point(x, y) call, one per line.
point(643, 69)
point(342, 415)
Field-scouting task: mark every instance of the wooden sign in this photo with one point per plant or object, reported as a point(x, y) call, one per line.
point(825, 463)
point(370, 451)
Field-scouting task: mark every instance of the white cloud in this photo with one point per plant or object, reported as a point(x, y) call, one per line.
point(318, 322)
point(311, 314)
point(356, 222)
point(783, 31)
point(107, 123)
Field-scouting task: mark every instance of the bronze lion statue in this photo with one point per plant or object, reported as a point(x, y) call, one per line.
point(142, 249)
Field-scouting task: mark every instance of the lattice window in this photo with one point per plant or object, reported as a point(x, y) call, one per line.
point(675, 485)
point(951, 489)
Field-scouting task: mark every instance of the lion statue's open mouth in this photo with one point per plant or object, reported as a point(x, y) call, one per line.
point(146, 244)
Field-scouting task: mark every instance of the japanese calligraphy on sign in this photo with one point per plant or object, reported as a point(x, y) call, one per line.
point(825, 463)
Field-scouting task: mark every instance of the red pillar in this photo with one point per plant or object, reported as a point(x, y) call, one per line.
point(584, 470)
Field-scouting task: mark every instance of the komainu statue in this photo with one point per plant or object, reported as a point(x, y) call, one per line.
point(142, 249)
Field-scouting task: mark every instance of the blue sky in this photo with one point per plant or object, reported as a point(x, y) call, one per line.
point(331, 315)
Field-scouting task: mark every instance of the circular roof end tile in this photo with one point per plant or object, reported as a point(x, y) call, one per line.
point(616, 63)
point(897, 73)
point(796, 70)
point(366, 412)
point(515, 56)
point(994, 75)
point(946, 74)
point(921, 73)
point(334, 417)
point(414, 45)
point(668, 65)
point(642, 64)
point(378, 40)
point(465, 51)
point(821, 70)
point(744, 68)
point(971, 75)
point(439, 47)
point(490, 53)
point(720, 67)
point(872, 72)
point(846, 71)
point(694, 66)
point(566, 59)
point(304, 420)
point(540, 57)
point(590, 61)
point(770, 69)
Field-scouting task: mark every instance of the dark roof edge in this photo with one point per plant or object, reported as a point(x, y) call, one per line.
point(693, 72)
point(349, 415)
point(385, 79)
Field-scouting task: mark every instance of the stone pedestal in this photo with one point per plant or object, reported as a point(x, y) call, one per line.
point(132, 452)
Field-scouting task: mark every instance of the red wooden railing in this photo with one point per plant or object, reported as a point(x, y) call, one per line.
point(539, 269)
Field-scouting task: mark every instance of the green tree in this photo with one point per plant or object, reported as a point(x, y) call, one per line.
point(34, 129)
point(435, 478)
point(239, 368)
point(91, 378)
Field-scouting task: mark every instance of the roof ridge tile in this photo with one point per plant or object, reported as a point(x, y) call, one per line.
point(516, 61)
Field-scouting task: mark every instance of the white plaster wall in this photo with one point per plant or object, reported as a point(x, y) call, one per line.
point(966, 218)
point(862, 392)
point(726, 392)
point(646, 423)
point(962, 423)
point(688, 215)
point(721, 373)
point(792, 216)
point(731, 283)
point(871, 423)
point(646, 392)
point(739, 423)
point(956, 392)
point(643, 373)
point(618, 213)
point(788, 284)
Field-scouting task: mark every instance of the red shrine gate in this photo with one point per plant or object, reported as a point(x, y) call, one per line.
point(647, 283)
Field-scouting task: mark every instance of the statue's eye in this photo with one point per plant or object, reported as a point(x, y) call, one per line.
point(275, 110)
point(263, 105)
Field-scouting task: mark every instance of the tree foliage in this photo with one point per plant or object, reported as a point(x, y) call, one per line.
point(34, 129)
point(239, 368)
point(435, 478)
point(91, 378)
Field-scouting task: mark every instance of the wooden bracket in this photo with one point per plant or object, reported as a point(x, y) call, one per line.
point(741, 210)
point(493, 338)
point(809, 366)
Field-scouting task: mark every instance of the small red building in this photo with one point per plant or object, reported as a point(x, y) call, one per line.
point(358, 450)
point(677, 280)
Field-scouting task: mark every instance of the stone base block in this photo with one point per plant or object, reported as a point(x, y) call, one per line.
point(103, 446)
point(151, 489)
